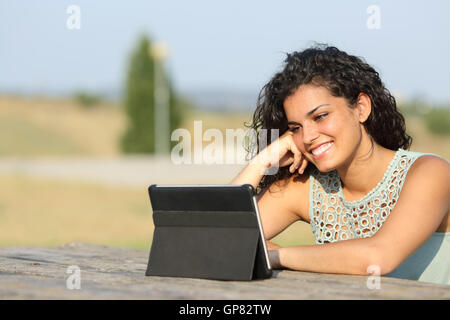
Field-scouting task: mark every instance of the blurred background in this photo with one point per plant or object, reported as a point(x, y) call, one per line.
point(84, 86)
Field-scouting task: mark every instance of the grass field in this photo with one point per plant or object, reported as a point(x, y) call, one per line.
point(52, 212)
point(49, 127)
point(41, 211)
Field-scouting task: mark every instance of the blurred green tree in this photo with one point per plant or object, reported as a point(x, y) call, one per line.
point(87, 100)
point(438, 120)
point(139, 136)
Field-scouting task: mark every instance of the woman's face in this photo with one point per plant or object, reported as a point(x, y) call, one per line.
point(326, 130)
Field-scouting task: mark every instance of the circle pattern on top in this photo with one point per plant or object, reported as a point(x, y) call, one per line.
point(335, 219)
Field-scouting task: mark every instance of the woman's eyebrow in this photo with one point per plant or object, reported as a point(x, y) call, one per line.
point(313, 110)
point(309, 113)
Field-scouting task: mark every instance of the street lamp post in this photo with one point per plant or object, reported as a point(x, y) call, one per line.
point(159, 52)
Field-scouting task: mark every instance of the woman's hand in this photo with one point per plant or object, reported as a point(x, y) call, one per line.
point(281, 153)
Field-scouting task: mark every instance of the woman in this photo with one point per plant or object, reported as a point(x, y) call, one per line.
point(344, 168)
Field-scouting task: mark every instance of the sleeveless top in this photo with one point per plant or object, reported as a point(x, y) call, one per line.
point(332, 218)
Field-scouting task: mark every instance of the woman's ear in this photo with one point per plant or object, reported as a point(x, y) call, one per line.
point(364, 107)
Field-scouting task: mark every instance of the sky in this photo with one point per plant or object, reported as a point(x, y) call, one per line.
point(231, 44)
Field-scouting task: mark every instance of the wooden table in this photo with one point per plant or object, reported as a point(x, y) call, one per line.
point(118, 273)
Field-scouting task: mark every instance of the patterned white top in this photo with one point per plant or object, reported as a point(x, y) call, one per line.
point(334, 219)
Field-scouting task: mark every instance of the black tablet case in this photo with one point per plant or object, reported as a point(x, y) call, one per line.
point(208, 232)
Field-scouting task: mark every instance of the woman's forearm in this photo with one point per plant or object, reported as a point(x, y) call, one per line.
point(344, 257)
point(251, 174)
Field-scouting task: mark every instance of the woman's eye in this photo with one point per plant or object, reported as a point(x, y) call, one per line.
point(321, 116)
point(294, 129)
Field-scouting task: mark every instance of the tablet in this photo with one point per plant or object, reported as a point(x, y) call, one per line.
point(208, 232)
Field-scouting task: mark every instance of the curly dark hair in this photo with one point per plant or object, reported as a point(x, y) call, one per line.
point(344, 76)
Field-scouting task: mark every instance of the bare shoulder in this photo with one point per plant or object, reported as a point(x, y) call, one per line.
point(431, 167)
point(430, 174)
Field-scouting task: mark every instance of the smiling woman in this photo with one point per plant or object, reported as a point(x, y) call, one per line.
point(345, 168)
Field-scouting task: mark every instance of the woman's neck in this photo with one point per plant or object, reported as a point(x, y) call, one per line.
point(364, 170)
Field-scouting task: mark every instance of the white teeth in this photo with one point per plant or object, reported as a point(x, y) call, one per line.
point(321, 149)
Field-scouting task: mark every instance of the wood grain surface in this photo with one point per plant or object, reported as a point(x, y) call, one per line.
point(119, 273)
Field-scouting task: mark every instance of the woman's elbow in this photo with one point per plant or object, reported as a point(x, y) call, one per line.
point(379, 262)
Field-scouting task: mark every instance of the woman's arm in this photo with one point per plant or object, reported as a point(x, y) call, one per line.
point(251, 174)
point(344, 257)
point(423, 203)
point(277, 208)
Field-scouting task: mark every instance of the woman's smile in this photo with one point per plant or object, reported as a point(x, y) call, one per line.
point(322, 150)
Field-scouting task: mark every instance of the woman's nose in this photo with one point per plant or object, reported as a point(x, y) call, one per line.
point(310, 134)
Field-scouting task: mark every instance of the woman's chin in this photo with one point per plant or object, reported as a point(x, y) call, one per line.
point(324, 167)
point(325, 162)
